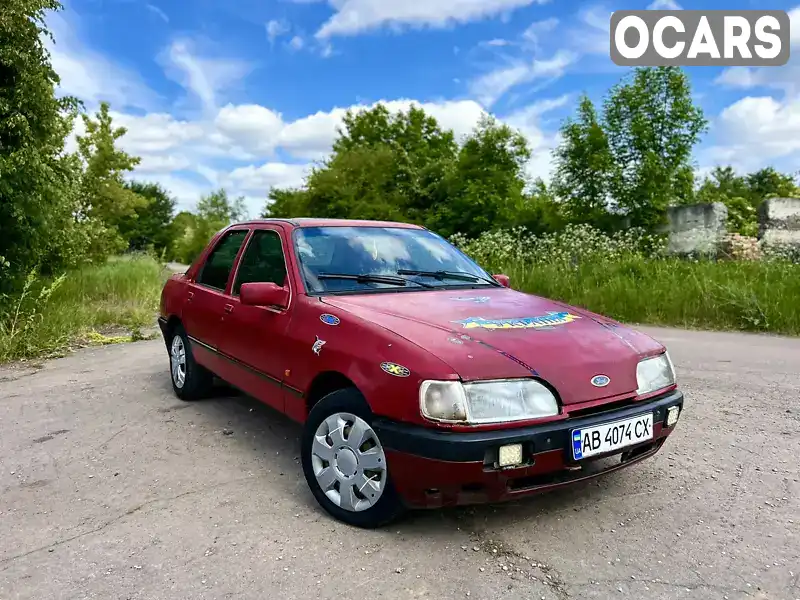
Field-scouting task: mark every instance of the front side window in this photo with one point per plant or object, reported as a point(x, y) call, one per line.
point(262, 261)
point(350, 259)
point(219, 263)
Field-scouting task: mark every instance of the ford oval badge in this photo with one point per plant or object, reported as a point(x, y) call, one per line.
point(601, 380)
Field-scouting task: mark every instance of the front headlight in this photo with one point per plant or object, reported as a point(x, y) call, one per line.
point(655, 373)
point(486, 401)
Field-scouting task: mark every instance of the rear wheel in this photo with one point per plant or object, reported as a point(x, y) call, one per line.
point(190, 381)
point(344, 462)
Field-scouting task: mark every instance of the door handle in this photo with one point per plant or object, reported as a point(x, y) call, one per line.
point(229, 308)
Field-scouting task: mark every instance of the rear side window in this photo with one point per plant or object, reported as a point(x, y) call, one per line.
point(219, 264)
point(262, 261)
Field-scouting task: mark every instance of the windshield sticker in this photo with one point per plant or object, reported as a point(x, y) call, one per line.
point(317, 347)
point(395, 369)
point(476, 299)
point(329, 319)
point(549, 320)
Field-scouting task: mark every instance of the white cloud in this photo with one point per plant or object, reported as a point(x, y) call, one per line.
point(275, 29)
point(181, 154)
point(296, 43)
point(156, 133)
point(250, 126)
point(591, 35)
point(763, 128)
point(664, 5)
point(537, 29)
point(258, 180)
point(356, 16)
point(311, 137)
point(491, 86)
point(786, 78)
point(162, 164)
point(186, 191)
point(541, 142)
point(203, 77)
point(158, 12)
point(89, 75)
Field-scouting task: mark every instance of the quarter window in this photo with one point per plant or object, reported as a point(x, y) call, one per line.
point(219, 264)
point(262, 261)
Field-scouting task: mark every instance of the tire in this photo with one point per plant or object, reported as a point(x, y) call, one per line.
point(335, 466)
point(190, 381)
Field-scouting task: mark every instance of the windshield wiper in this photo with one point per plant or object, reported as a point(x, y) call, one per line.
point(372, 278)
point(456, 275)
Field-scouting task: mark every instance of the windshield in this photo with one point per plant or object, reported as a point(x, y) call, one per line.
point(325, 252)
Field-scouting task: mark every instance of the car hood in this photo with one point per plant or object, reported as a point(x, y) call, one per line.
point(501, 333)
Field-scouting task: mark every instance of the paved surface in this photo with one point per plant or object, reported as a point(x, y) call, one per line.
point(112, 488)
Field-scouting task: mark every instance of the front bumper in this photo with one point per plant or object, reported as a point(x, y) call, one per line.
point(432, 468)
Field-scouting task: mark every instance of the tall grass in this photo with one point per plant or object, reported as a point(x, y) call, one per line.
point(51, 315)
point(626, 276)
point(630, 278)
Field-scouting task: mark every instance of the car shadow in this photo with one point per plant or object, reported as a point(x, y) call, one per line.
point(259, 429)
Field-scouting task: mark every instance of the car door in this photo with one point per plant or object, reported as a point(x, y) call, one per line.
point(254, 334)
point(207, 301)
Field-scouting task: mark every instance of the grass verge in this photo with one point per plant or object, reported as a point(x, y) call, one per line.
point(90, 306)
point(81, 307)
point(725, 295)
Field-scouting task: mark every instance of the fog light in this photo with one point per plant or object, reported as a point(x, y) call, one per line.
point(510, 455)
point(672, 415)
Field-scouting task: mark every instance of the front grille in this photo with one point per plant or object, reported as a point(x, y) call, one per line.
point(600, 409)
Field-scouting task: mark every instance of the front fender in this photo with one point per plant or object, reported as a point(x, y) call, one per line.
point(386, 368)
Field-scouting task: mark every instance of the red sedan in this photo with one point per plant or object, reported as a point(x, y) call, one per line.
point(420, 379)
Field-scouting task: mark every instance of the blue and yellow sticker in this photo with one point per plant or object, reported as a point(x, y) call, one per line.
point(395, 369)
point(551, 319)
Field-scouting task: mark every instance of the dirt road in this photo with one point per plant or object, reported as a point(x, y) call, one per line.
point(112, 488)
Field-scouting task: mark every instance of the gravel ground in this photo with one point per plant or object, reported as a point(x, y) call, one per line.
point(110, 487)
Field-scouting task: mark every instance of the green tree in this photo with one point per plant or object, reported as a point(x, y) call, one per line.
point(181, 232)
point(287, 203)
point(193, 231)
point(584, 167)
point(769, 183)
point(104, 195)
point(540, 212)
point(149, 225)
point(485, 187)
point(403, 166)
point(652, 125)
point(742, 195)
point(36, 177)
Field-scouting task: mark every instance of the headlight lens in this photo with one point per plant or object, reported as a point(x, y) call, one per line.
point(486, 401)
point(653, 374)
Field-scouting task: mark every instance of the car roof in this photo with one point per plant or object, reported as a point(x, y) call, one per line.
point(319, 222)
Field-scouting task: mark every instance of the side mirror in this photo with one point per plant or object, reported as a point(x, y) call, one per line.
point(264, 294)
point(502, 280)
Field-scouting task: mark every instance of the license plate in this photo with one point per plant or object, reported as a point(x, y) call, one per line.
point(608, 437)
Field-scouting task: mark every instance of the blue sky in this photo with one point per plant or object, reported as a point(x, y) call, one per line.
point(247, 94)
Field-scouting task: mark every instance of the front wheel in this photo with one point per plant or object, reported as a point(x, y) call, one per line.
point(344, 462)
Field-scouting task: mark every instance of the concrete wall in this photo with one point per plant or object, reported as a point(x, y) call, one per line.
point(697, 228)
point(779, 221)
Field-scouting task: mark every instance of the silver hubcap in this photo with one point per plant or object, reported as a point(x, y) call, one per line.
point(349, 462)
point(177, 357)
